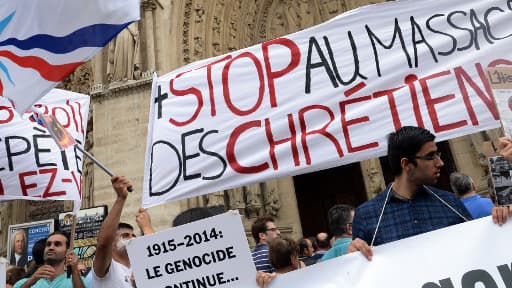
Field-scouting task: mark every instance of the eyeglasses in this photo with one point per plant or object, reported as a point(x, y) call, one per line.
point(272, 229)
point(430, 156)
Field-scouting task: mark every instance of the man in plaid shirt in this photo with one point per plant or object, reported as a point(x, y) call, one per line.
point(408, 206)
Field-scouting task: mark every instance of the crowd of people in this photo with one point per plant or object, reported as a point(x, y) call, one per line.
point(408, 206)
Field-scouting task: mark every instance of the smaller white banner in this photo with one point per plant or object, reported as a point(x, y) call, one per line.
point(32, 166)
point(212, 252)
point(468, 255)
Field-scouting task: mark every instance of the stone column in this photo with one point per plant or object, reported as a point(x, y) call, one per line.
point(149, 6)
point(373, 177)
point(97, 72)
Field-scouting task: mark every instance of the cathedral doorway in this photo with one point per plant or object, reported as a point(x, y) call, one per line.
point(317, 192)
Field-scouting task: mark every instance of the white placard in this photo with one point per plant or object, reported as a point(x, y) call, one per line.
point(459, 256)
point(212, 252)
point(325, 96)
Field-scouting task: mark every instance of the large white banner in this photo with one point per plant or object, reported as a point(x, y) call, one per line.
point(31, 164)
point(469, 255)
point(325, 96)
point(212, 252)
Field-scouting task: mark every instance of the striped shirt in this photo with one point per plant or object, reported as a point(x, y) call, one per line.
point(260, 258)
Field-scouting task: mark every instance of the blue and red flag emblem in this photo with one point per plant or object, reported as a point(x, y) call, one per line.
point(42, 42)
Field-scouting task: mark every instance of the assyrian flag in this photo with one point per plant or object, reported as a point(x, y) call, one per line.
point(42, 42)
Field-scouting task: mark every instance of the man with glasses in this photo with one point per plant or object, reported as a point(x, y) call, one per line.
point(409, 206)
point(111, 266)
point(264, 231)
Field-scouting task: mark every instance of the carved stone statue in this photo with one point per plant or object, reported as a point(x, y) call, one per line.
point(271, 200)
point(215, 199)
point(482, 144)
point(254, 200)
point(236, 199)
point(123, 55)
point(80, 80)
point(477, 141)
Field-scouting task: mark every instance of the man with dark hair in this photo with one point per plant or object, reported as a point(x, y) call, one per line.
point(408, 206)
point(57, 255)
point(284, 255)
point(264, 231)
point(306, 251)
point(340, 223)
point(464, 187)
point(111, 266)
point(313, 242)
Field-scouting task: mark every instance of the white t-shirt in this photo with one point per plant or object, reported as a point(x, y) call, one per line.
point(118, 276)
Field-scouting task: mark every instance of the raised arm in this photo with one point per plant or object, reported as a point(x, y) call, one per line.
point(108, 229)
point(144, 222)
point(72, 262)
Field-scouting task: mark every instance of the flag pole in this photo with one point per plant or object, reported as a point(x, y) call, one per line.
point(103, 167)
point(110, 173)
point(71, 241)
point(63, 139)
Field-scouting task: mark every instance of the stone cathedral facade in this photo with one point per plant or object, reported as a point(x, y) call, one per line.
point(173, 33)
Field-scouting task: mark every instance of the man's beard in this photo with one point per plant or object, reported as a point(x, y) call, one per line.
point(52, 261)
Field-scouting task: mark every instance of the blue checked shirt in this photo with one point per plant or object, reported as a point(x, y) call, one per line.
point(406, 218)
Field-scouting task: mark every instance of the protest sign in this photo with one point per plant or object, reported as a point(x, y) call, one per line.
point(86, 234)
point(325, 96)
point(500, 79)
point(32, 166)
point(501, 177)
point(472, 254)
point(22, 238)
point(36, 55)
point(212, 252)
